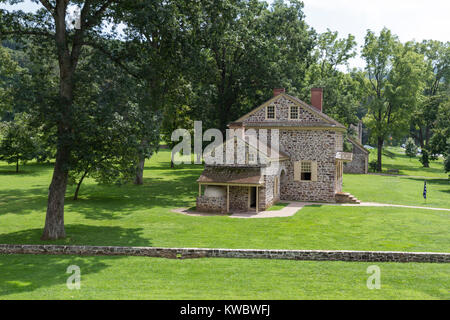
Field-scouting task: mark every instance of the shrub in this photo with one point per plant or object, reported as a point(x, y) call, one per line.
point(410, 148)
point(425, 159)
point(373, 166)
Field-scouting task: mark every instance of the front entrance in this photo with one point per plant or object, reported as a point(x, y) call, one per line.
point(253, 197)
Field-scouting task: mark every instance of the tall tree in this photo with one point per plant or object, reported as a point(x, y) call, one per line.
point(8, 71)
point(51, 23)
point(393, 85)
point(156, 52)
point(341, 90)
point(110, 123)
point(437, 77)
point(19, 142)
point(245, 50)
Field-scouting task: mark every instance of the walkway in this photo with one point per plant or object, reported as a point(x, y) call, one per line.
point(294, 207)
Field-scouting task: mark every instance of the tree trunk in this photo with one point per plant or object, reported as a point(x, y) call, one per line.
point(380, 154)
point(75, 197)
point(139, 180)
point(54, 220)
point(172, 165)
point(17, 166)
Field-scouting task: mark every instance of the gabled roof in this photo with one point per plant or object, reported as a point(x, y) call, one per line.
point(231, 176)
point(267, 153)
point(328, 121)
point(358, 145)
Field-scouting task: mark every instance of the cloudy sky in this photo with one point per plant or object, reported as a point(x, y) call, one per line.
point(409, 19)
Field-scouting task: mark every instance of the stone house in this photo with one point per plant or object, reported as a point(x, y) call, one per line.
point(303, 155)
point(360, 161)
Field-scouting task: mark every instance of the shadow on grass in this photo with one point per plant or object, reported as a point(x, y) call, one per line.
point(79, 234)
point(444, 182)
point(106, 202)
point(30, 169)
point(412, 168)
point(27, 273)
point(22, 201)
point(99, 202)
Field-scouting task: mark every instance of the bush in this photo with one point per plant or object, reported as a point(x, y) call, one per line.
point(373, 166)
point(425, 159)
point(410, 148)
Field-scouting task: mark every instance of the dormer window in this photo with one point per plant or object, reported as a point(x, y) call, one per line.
point(270, 112)
point(293, 112)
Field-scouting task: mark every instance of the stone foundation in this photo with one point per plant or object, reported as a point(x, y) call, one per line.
point(186, 253)
point(211, 204)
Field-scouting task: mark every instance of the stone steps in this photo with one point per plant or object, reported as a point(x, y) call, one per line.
point(345, 197)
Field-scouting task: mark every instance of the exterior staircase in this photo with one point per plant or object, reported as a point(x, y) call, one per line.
point(344, 197)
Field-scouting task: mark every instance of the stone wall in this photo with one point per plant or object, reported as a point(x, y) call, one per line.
point(282, 106)
point(360, 162)
point(211, 204)
point(309, 145)
point(239, 199)
point(186, 253)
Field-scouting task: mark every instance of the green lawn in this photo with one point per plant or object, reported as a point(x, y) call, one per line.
point(395, 158)
point(278, 206)
point(44, 277)
point(398, 190)
point(141, 216)
point(406, 190)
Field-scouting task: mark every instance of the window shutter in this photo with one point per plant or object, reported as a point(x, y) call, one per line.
point(314, 171)
point(297, 170)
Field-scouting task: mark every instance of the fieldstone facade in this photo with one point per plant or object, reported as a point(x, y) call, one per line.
point(211, 204)
point(360, 162)
point(307, 138)
point(318, 146)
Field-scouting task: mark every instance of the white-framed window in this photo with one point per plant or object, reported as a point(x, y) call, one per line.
point(305, 171)
point(270, 112)
point(293, 112)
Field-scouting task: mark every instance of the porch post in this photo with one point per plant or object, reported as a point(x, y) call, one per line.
point(199, 190)
point(228, 199)
point(257, 199)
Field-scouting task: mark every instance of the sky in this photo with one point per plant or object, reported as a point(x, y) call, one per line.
point(408, 19)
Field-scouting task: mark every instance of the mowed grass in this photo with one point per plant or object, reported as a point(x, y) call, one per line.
point(44, 277)
point(398, 190)
point(395, 158)
point(405, 190)
point(141, 216)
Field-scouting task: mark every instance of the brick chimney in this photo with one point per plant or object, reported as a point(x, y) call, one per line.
point(278, 91)
point(317, 98)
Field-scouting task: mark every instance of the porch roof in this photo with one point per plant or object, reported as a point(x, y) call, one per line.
point(231, 176)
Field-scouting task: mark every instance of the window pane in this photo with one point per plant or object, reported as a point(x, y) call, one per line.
point(294, 112)
point(271, 112)
point(306, 166)
point(306, 170)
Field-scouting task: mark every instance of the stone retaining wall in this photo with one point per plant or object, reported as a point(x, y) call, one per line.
point(186, 253)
